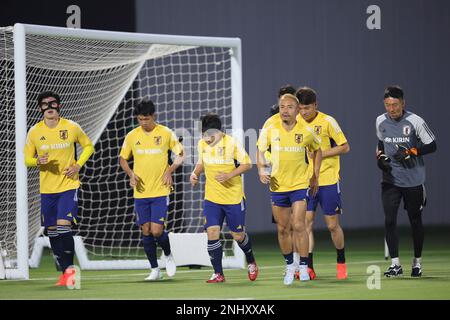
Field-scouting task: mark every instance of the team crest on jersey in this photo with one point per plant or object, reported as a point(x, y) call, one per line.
point(63, 134)
point(298, 138)
point(157, 140)
point(220, 151)
point(406, 130)
point(318, 130)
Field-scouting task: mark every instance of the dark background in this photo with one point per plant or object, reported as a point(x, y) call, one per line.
point(322, 44)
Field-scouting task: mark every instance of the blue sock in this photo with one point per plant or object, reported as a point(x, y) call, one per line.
point(246, 246)
point(164, 243)
point(150, 250)
point(68, 246)
point(215, 254)
point(303, 261)
point(55, 244)
point(289, 258)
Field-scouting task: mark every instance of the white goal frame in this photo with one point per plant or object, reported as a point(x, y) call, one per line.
point(181, 256)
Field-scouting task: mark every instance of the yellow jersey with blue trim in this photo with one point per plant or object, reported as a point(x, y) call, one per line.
point(331, 135)
point(224, 156)
point(288, 154)
point(151, 158)
point(60, 145)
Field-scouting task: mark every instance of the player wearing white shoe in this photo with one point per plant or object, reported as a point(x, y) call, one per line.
point(289, 140)
point(149, 144)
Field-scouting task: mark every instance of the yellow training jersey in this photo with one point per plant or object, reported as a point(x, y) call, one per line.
point(59, 143)
point(221, 158)
point(288, 154)
point(270, 121)
point(327, 128)
point(150, 153)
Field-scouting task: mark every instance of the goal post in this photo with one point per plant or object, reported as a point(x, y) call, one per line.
point(101, 76)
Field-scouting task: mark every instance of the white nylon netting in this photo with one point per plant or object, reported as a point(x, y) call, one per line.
point(100, 82)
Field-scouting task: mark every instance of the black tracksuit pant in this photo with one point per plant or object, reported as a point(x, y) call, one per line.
point(414, 199)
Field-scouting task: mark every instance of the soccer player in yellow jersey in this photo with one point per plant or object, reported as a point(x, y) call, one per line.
point(289, 179)
point(333, 144)
point(151, 179)
point(50, 147)
point(223, 160)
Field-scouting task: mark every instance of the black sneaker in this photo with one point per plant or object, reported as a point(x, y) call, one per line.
point(393, 271)
point(416, 271)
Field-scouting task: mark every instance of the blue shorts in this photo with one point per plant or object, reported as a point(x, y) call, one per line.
point(286, 199)
point(329, 198)
point(215, 214)
point(59, 206)
point(151, 210)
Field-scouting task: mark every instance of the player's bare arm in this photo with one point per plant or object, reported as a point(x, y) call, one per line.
point(262, 165)
point(167, 176)
point(196, 173)
point(317, 161)
point(336, 151)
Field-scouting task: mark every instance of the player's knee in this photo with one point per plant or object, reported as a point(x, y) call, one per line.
point(157, 230)
point(333, 226)
point(146, 230)
point(238, 236)
point(299, 227)
point(283, 230)
point(157, 233)
point(213, 233)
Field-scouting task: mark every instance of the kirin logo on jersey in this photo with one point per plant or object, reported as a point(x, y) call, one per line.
point(318, 130)
point(63, 134)
point(157, 140)
point(406, 130)
point(298, 138)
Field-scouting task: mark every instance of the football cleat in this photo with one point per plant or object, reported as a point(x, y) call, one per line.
point(416, 271)
point(289, 274)
point(216, 278)
point(155, 275)
point(304, 275)
point(171, 267)
point(252, 271)
point(393, 271)
point(312, 273)
point(67, 278)
point(341, 271)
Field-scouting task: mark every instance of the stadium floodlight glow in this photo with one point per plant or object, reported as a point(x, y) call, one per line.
point(100, 76)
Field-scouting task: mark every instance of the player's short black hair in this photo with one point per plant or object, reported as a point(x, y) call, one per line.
point(145, 108)
point(211, 121)
point(274, 109)
point(48, 94)
point(393, 92)
point(285, 90)
point(306, 95)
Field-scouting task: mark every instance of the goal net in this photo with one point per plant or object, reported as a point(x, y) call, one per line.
point(100, 77)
